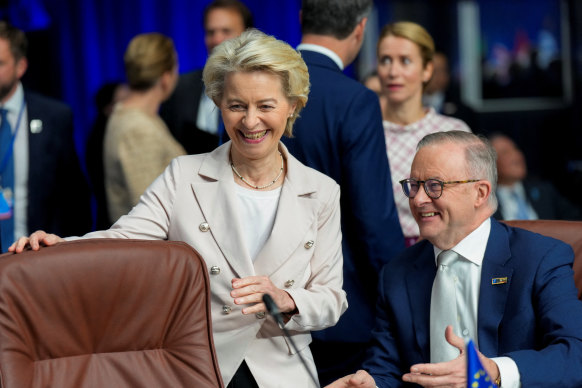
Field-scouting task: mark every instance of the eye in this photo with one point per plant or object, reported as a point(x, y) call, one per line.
point(266, 107)
point(406, 61)
point(236, 107)
point(433, 185)
point(385, 60)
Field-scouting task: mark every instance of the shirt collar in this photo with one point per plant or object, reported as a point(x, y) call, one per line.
point(14, 104)
point(324, 51)
point(473, 246)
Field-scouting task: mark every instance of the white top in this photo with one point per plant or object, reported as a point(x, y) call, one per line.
point(322, 50)
point(21, 150)
point(257, 214)
point(467, 275)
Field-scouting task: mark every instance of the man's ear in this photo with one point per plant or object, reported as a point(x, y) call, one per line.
point(361, 29)
point(21, 66)
point(484, 188)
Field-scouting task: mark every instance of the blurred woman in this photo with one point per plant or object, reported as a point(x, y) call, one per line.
point(138, 145)
point(405, 51)
point(262, 221)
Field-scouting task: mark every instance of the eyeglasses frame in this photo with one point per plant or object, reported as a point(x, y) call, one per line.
point(442, 183)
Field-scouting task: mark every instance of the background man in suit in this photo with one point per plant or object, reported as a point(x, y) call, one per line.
point(514, 290)
point(522, 197)
point(340, 134)
point(40, 176)
point(191, 116)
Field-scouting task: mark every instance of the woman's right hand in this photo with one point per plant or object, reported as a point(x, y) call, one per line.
point(35, 241)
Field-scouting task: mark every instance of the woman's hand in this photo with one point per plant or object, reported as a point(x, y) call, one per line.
point(35, 241)
point(250, 291)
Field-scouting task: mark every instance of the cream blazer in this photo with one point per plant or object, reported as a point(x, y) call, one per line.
point(194, 201)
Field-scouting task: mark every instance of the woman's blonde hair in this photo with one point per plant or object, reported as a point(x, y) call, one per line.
point(414, 33)
point(256, 51)
point(147, 57)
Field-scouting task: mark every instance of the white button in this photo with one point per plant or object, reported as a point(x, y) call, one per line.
point(466, 332)
point(226, 309)
point(204, 227)
point(309, 244)
point(214, 270)
point(289, 283)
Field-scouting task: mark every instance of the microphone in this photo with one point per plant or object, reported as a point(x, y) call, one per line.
point(274, 311)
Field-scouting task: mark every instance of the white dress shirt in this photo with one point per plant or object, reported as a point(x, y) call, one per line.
point(14, 105)
point(322, 50)
point(467, 274)
point(208, 113)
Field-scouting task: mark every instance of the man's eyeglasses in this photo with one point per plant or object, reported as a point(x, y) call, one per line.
point(432, 187)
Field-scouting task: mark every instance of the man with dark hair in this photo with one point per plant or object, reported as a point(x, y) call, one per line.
point(509, 290)
point(340, 134)
point(191, 116)
point(41, 183)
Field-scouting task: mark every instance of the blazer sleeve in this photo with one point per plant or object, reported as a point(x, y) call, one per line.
point(559, 318)
point(383, 361)
point(375, 229)
point(322, 301)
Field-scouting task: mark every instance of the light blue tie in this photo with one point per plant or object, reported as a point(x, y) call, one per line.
point(6, 181)
point(522, 208)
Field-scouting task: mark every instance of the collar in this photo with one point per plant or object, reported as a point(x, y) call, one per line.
point(429, 116)
point(324, 51)
point(14, 104)
point(473, 246)
point(516, 188)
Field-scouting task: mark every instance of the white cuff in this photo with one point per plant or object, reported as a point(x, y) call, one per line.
point(510, 377)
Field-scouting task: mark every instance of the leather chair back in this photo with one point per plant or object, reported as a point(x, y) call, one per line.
point(106, 313)
point(569, 232)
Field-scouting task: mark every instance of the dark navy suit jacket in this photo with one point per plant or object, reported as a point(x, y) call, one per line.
point(535, 318)
point(340, 134)
point(58, 193)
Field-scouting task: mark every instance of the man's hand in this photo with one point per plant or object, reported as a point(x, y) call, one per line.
point(451, 373)
point(360, 379)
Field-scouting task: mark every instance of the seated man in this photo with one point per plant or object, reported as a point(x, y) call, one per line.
point(514, 290)
point(522, 197)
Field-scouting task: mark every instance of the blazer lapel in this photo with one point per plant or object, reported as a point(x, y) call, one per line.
point(296, 211)
point(419, 287)
point(495, 283)
point(217, 200)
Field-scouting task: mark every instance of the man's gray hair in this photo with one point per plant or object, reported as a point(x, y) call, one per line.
point(480, 155)
point(336, 18)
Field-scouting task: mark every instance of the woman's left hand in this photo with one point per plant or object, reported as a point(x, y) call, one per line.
point(250, 291)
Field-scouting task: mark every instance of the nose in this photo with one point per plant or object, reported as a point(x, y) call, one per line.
point(421, 198)
point(251, 118)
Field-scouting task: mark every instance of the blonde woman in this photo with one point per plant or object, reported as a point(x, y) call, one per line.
point(405, 51)
point(262, 221)
point(138, 145)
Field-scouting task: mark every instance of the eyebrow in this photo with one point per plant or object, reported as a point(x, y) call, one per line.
point(235, 99)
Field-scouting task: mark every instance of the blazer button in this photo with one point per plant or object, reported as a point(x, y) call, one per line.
point(214, 270)
point(309, 244)
point(204, 227)
point(260, 315)
point(226, 309)
point(289, 283)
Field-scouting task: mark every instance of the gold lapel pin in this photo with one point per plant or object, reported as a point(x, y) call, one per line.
point(496, 281)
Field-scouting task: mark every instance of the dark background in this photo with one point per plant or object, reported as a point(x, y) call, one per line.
point(77, 45)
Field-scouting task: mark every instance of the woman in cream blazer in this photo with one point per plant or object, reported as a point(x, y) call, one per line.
point(200, 199)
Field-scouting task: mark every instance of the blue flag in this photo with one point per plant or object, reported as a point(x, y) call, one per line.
point(477, 377)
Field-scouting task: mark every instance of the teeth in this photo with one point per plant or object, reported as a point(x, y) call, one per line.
point(255, 135)
point(428, 214)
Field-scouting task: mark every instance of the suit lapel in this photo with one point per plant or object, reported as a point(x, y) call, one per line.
point(419, 286)
point(296, 211)
point(217, 200)
point(493, 297)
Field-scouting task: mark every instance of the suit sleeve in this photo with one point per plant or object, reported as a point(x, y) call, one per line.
point(322, 301)
point(559, 319)
point(375, 229)
point(382, 360)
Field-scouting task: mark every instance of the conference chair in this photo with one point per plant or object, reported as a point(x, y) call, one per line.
point(106, 313)
point(569, 232)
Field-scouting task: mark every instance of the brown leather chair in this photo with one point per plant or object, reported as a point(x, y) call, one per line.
point(106, 313)
point(569, 232)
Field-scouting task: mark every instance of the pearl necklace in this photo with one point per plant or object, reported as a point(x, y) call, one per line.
point(255, 186)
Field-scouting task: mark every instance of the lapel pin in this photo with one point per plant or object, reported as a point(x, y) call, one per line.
point(496, 281)
point(35, 126)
